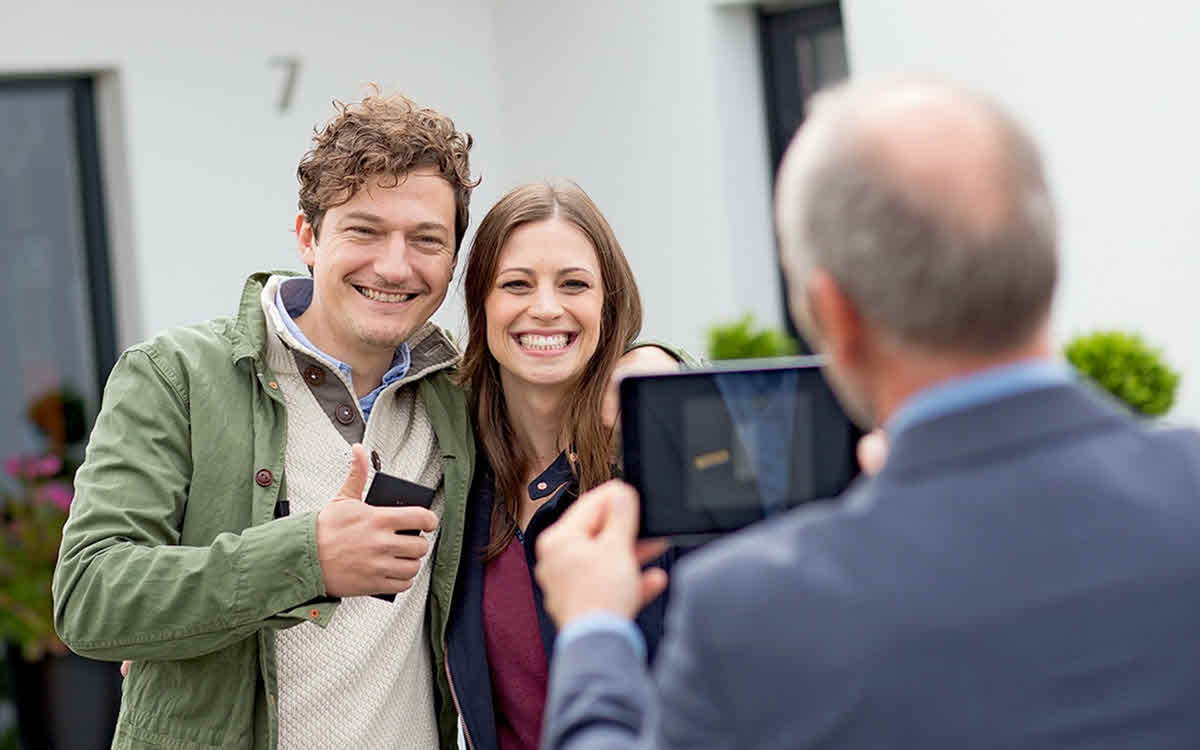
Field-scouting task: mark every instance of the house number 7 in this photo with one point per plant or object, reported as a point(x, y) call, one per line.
point(291, 71)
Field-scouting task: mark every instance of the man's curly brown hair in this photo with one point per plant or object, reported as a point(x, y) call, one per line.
point(386, 137)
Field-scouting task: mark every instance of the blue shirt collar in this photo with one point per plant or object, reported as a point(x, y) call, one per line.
point(292, 298)
point(978, 388)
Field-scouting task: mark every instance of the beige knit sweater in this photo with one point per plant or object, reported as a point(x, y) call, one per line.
point(365, 680)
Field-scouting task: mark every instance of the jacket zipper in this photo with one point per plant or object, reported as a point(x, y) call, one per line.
point(454, 694)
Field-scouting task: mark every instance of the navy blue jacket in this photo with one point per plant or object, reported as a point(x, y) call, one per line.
point(1021, 574)
point(466, 652)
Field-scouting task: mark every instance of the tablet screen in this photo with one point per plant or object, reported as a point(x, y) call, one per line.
point(711, 451)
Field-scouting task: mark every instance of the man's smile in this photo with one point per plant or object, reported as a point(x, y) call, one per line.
point(390, 297)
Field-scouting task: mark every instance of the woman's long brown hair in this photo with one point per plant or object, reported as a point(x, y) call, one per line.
point(588, 442)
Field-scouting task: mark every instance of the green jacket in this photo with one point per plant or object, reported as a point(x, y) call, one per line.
point(172, 556)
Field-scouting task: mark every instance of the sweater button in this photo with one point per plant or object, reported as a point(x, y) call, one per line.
point(314, 375)
point(344, 414)
point(375, 461)
point(263, 477)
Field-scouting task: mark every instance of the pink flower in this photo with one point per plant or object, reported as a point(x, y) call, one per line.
point(45, 466)
point(33, 467)
point(58, 494)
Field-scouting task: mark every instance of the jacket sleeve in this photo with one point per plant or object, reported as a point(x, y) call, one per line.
point(685, 358)
point(124, 586)
point(601, 696)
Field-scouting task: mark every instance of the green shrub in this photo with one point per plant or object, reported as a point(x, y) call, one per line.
point(742, 340)
point(1122, 364)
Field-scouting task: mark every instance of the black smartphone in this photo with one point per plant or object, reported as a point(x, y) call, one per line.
point(713, 450)
point(388, 491)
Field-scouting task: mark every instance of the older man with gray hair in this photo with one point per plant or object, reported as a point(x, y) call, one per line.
point(1022, 572)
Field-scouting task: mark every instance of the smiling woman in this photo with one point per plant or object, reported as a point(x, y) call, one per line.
point(551, 306)
point(543, 312)
point(545, 263)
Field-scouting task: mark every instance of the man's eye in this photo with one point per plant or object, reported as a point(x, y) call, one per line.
point(365, 231)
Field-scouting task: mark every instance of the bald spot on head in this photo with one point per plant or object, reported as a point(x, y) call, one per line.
point(945, 149)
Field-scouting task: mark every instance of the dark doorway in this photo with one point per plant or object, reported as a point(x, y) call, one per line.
point(804, 50)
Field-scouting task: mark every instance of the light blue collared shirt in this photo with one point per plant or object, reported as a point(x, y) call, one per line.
point(935, 401)
point(292, 298)
point(976, 389)
point(602, 622)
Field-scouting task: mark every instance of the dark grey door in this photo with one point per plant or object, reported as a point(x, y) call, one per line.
point(56, 319)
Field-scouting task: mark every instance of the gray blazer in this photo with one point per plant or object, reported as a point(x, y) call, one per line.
point(1022, 574)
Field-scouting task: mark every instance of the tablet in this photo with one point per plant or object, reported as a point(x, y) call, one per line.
point(713, 450)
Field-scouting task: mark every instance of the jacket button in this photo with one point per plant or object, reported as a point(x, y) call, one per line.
point(344, 414)
point(375, 460)
point(314, 375)
point(264, 477)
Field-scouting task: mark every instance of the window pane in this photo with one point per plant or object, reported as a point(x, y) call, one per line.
point(45, 322)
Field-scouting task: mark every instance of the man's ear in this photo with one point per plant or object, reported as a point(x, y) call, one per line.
point(839, 326)
point(306, 240)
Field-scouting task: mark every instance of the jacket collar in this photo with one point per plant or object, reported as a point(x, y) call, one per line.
point(555, 476)
point(1033, 416)
point(431, 349)
point(249, 332)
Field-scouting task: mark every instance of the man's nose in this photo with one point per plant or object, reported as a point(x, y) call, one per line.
point(394, 264)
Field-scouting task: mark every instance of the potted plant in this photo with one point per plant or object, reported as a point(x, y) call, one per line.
point(1123, 365)
point(742, 339)
point(31, 527)
point(62, 700)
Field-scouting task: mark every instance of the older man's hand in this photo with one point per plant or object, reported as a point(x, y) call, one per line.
point(590, 561)
point(873, 452)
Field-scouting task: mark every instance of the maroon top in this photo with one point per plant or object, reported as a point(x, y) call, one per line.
point(516, 656)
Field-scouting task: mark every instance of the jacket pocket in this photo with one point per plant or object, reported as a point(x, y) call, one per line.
point(206, 702)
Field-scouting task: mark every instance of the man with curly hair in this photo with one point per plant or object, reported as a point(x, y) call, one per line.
point(215, 539)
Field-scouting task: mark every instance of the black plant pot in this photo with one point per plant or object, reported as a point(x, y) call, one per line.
point(64, 702)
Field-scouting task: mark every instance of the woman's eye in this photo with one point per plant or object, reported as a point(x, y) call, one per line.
point(576, 285)
point(515, 285)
